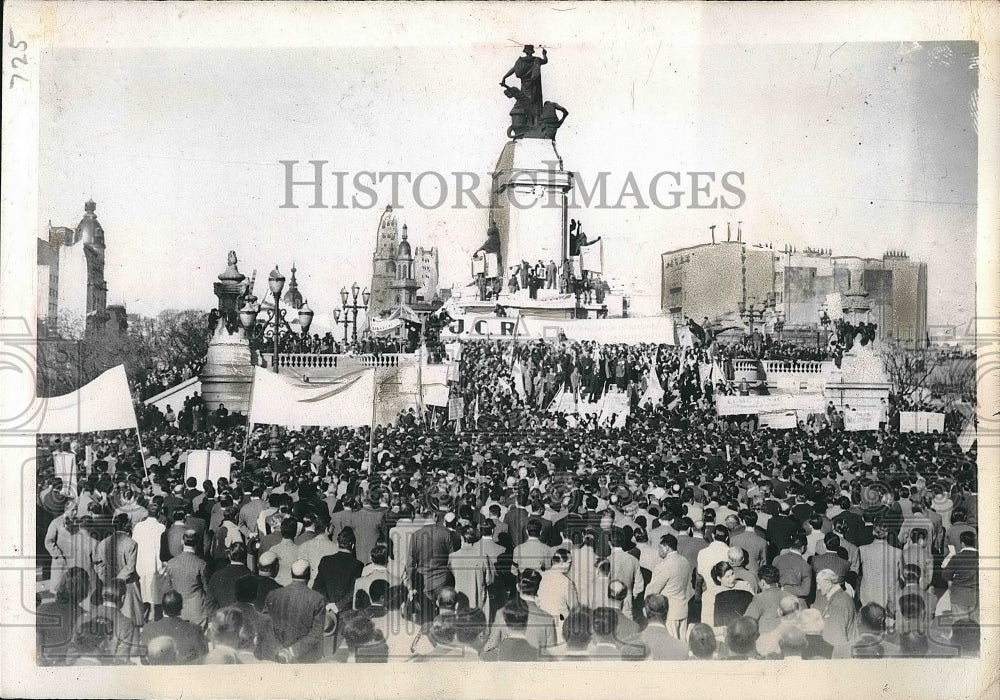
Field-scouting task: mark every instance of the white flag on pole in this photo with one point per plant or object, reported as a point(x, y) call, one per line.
point(103, 404)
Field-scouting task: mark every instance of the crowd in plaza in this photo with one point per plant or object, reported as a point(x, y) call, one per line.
point(518, 535)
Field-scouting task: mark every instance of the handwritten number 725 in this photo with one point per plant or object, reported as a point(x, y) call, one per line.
point(17, 61)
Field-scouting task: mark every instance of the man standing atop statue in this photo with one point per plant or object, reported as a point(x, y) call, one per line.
point(528, 69)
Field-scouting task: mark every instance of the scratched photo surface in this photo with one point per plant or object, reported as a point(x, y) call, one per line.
point(432, 344)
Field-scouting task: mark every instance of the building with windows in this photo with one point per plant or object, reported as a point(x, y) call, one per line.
point(72, 292)
point(714, 279)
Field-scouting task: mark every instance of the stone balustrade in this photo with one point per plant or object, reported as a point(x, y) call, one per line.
point(307, 361)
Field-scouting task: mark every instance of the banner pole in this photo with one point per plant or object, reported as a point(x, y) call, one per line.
point(246, 439)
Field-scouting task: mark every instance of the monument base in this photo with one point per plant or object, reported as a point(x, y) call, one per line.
point(528, 203)
point(228, 372)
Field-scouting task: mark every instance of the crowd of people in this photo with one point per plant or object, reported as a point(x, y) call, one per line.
point(516, 535)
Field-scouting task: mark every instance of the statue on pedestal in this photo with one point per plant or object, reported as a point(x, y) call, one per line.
point(530, 116)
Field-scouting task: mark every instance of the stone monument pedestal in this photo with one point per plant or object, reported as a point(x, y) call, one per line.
point(528, 204)
point(227, 375)
point(228, 371)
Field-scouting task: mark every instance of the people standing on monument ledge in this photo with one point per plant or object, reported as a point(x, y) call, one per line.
point(804, 544)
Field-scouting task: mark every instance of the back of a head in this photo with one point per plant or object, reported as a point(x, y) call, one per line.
point(617, 591)
point(741, 635)
point(226, 626)
point(357, 629)
point(769, 575)
point(534, 528)
point(792, 641)
point(515, 614)
point(721, 534)
point(576, 629)
point(470, 626)
point(872, 618)
point(701, 641)
point(237, 553)
point(605, 622)
point(346, 539)
point(289, 528)
point(911, 606)
point(655, 606)
point(161, 651)
point(245, 589)
point(447, 599)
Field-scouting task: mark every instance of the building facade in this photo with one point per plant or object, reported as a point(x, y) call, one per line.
point(425, 260)
point(383, 298)
point(72, 291)
point(712, 279)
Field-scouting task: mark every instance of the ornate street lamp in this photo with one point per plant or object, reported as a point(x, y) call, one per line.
point(305, 319)
point(353, 306)
point(337, 322)
point(276, 283)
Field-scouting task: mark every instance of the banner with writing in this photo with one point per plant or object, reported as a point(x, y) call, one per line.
point(778, 403)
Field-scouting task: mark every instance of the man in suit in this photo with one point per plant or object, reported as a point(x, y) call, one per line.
point(765, 607)
point(881, 567)
point(836, 607)
point(796, 574)
point(267, 569)
point(369, 528)
point(541, 629)
point(516, 519)
point(260, 626)
point(672, 579)
point(222, 584)
point(625, 568)
point(780, 529)
point(186, 574)
point(749, 538)
point(339, 571)
point(115, 558)
point(286, 550)
point(658, 638)
point(515, 645)
point(123, 645)
point(962, 574)
point(533, 553)
point(831, 559)
point(428, 568)
point(172, 539)
point(188, 638)
point(299, 615)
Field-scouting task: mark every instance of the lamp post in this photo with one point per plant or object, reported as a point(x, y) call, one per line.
point(305, 320)
point(353, 306)
point(345, 323)
point(276, 283)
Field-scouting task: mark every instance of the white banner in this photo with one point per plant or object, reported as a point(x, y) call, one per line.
point(455, 408)
point(281, 400)
point(614, 404)
point(103, 404)
point(779, 403)
point(967, 438)
point(208, 465)
point(592, 256)
point(921, 422)
point(479, 263)
point(778, 421)
point(379, 326)
point(453, 351)
point(855, 420)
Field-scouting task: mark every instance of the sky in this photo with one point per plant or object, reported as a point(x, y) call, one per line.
point(858, 147)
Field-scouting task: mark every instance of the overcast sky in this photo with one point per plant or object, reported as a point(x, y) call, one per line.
point(857, 147)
